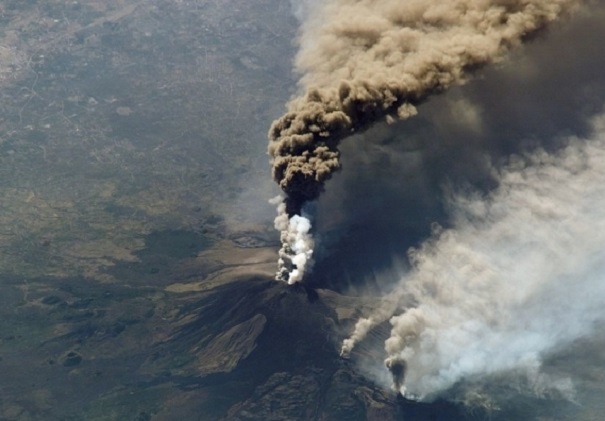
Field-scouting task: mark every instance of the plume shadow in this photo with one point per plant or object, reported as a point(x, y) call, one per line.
point(395, 179)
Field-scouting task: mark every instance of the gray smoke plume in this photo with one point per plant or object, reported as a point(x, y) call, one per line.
point(520, 275)
point(364, 61)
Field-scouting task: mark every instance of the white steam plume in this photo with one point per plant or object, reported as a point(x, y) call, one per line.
point(295, 255)
point(521, 275)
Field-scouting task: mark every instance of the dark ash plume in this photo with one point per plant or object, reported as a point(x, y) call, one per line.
point(397, 367)
point(366, 61)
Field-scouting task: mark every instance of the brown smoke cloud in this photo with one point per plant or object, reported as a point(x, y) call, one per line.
point(395, 179)
point(369, 60)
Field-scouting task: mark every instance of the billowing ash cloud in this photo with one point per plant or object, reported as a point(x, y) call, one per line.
point(363, 61)
point(519, 275)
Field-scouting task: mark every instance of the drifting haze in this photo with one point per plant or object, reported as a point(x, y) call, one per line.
point(366, 61)
point(518, 272)
point(390, 188)
point(521, 274)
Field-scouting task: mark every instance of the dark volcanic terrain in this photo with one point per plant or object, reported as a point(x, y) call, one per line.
point(250, 349)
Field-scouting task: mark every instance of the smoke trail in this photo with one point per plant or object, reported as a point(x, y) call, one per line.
point(521, 275)
point(362, 61)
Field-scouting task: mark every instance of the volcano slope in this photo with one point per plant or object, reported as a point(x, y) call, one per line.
point(234, 345)
point(261, 350)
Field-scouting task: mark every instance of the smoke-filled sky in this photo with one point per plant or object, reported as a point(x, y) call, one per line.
point(521, 272)
point(367, 61)
point(509, 165)
point(548, 89)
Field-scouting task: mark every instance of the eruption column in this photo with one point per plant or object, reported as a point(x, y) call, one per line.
point(366, 60)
